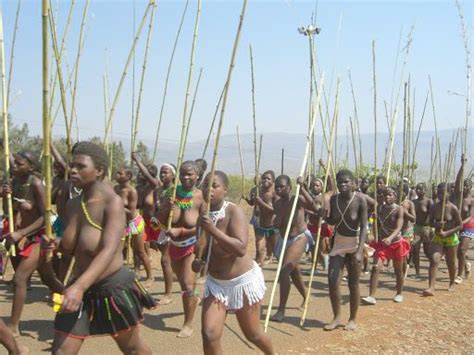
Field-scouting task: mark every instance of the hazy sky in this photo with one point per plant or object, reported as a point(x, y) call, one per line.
point(281, 59)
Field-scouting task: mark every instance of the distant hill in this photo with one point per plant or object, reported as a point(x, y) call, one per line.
point(294, 145)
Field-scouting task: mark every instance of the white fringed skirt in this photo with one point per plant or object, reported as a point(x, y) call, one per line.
point(232, 293)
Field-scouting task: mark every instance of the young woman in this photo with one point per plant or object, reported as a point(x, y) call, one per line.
point(446, 220)
point(235, 282)
point(423, 231)
point(299, 238)
point(135, 224)
point(183, 235)
point(28, 208)
point(391, 245)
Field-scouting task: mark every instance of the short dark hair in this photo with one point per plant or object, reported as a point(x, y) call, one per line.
point(344, 173)
point(271, 173)
point(191, 164)
point(223, 176)
point(152, 169)
point(202, 164)
point(95, 152)
point(127, 170)
point(31, 158)
point(284, 178)
point(381, 177)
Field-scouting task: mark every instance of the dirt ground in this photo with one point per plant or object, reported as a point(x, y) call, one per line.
point(437, 324)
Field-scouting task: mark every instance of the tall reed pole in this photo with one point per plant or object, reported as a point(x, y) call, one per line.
point(76, 70)
point(196, 90)
point(326, 177)
point(6, 139)
point(292, 214)
point(254, 120)
point(124, 73)
point(142, 79)
point(241, 156)
point(168, 74)
point(185, 111)
point(211, 128)
point(12, 52)
point(202, 241)
point(47, 173)
point(376, 232)
point(467, 46)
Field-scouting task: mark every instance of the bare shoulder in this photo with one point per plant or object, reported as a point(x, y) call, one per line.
point(37, 183)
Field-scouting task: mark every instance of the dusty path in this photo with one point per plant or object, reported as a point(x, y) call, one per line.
point(438, 324)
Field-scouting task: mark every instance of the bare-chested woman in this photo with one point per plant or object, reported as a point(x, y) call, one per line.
point(135, 224)
point(467, 231)
point(348, 214)
point(445, 240)
point(298, 239)
point(321, 199)
point(235, 282)
point(28, 207)
point(423, 231)
point(409, 218)
point(104, 298)
point(265, 231)
point(183, 234)
point(391, 245)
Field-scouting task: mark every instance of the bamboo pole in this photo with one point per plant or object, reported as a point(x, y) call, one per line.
point(282, 160)
point(54, 77)
point(254, 120)
point(318, 232)
point(12, 52)
point(389, 155)
point(376, 232)
point(202, 239)
point(59, 74)
point(168, 73)
point(6, 139)
point(211, 129)
point(419, 129)
point(260, 144)
point(185, 111)
point(241, 156)
point(405, 119)
point(356, 118)
point(354, 147)
point(142, 79)
point(151, 3)
point(467, 46)
point(435, 124)
point(47, 173)
point(76, 71)
point(196, 90)
point(292, 213)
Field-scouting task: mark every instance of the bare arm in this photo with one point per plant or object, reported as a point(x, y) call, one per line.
point(410, 213)
point(362, 224)
point(264, 204)
point(144, 170)
point(39, 196)
point(57, 157)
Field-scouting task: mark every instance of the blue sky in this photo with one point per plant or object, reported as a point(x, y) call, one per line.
point(280, 54)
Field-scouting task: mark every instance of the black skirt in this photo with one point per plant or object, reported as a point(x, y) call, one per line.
point(110, 306)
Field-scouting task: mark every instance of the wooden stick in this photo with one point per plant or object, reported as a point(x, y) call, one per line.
point(76, 71)
point(151, 3)
point(290, 218)
point(142, 79)
point(242, 169)
point(12, 52)
point(354, 147)
point(419, 130)
point(260, 144)
point(59, 74)
point(282, 160)
point(389, 155)
point(376, 232)
point(467, 46)
point(47, 172)
point(165, 90)
point(254, 120)
point(318, 232)
point(435, 123)
point(185, 112)
point(211, 129)
point(6, 139)
point(405, 119)
point(202, 241)
point(196, 90)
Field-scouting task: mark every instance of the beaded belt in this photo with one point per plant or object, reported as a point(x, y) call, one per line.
point(184, 243)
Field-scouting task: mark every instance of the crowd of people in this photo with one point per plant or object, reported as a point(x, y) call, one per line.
point(100, 226)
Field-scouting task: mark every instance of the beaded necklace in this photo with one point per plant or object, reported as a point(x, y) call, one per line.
point(184, 199)
point(87, 215)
